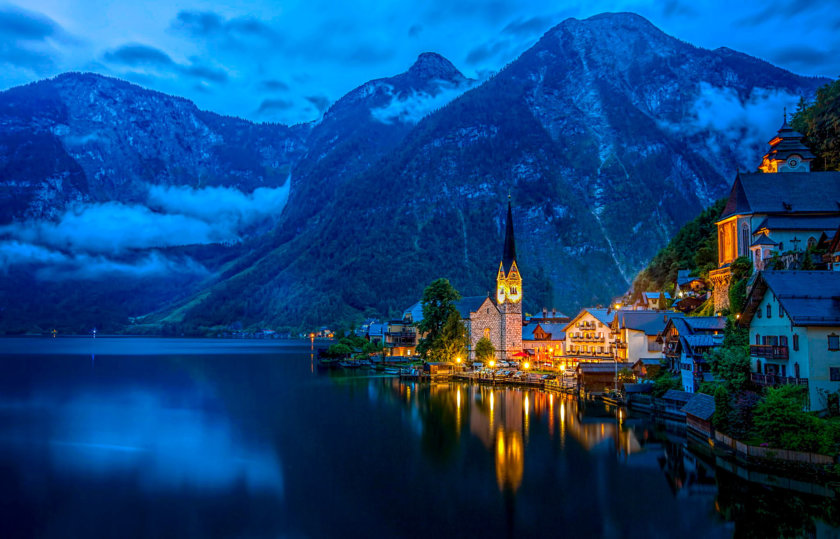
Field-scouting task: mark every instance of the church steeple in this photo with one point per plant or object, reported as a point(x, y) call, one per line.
point(787, 151)
point(509, 254)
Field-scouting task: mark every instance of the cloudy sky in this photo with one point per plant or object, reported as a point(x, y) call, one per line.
point(286, 61)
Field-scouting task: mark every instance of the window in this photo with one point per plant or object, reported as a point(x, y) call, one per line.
point(796, 343)
point(745, 239)
point(783, 340)
point(834, 372)
point(758, 313)
point(833, 342)
point(486, 333)
point(757, 338)
point(781, 246)
point(812, 242)
point(769, 311)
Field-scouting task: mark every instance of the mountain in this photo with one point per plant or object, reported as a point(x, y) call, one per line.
point(608, 135)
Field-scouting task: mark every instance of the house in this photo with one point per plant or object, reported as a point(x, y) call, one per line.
point(376, 332)
point(647, 367)
point(784, 208)
point(687, 284)
point(685, 343)
point(597, 377)
point(672, 402)
point(698, 414)
point(589, 337)
point(545, 340)
point(794, 323)
point(400, 337)
point(653, 301)
point(636, 333)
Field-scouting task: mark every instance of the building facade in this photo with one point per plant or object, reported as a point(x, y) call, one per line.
point(794, 323)
point(589, 337)
point(784, 208)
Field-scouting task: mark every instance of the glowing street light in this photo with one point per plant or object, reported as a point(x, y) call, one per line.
point(526, 365)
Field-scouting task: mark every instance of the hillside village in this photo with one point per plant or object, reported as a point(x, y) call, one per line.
point(766, 317)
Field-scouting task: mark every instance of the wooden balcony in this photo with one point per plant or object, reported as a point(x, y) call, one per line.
point(769, 351)
point(777, 380)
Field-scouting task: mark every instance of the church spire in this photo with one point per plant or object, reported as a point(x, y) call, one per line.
point(509, 254)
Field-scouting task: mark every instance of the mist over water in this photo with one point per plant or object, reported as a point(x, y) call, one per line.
point(177, 437)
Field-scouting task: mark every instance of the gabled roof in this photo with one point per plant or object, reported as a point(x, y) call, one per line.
point(676, 395)
point(709, 323)
point(555, 330)
point(808, 298)
point(704, 339)
point(655, 295)
point(784, 192)
point(684, 277)
point(471, 304)
point(650, 322)
point(763, 240)
point(377, 329)
point(701, 406)
point(416, 312)
point(605, 316)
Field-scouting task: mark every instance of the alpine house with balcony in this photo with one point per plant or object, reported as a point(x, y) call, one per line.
point(794, 323)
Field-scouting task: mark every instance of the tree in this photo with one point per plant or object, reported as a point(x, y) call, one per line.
point(722, 409)
point(484, 350)
point(731, 365)
point(780, 421)
point(663, 382)
point(438, 304)
point(819, 123)
point(453, 338)
point(372, 348)
point(339, 350)
point(625, 376)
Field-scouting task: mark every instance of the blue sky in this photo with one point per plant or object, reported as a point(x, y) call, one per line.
point(286, 61)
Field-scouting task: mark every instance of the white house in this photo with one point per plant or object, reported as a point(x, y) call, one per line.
point(794, 322)
point(589, 337)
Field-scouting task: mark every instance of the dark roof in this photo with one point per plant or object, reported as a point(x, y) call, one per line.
point(605, 316)
point(800, 222)
point(648, 361)
point(704, 339)
point(599, 367)
point(808, 298)
point(684, 277)
point(676, 395)
point(469, 305)
point(783, 192)
point(701, 406)
point(638, 388)
point(763, 240)
point(788, 142)
point(650, 322)
point(699, 323)
point(509, 253)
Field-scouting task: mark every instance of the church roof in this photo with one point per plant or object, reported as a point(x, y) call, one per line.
point(780, 193)
point(797, 222)
point(509, 253)
point(470, 304)
point(788, 142)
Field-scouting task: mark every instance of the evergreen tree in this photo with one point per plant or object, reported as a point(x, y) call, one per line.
point(484, 350)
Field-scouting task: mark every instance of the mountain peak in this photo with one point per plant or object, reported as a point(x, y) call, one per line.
point(431, 65)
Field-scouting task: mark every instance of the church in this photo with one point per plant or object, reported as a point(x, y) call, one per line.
point(784, 208)
point(500, 320)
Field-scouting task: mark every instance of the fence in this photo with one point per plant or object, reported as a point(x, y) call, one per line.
point(773, 453)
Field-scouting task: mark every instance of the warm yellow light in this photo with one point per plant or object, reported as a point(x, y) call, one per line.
point(526, 365)
point(618, 306)
point(492, 363)
point(458, 359)
point(311, 335)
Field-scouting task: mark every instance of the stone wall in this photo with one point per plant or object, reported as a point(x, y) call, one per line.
point(487, 317)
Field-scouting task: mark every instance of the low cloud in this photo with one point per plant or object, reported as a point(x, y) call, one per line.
point(744, 125)
point(211, 25)
point(17, 23)
point(27, 39)
point(274, 85)
point(418, 105)
point(269, 106)
point(136, 55)
point(321, 102)
point(236, 209)
point(119, 239)
point(56, 265)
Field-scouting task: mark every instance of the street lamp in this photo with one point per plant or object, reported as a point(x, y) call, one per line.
point(311, 342)
point(525, 365)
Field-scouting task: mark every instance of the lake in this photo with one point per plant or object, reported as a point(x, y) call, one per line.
point(130, 437)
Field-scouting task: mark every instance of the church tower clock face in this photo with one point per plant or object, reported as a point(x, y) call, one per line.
point(792, 163)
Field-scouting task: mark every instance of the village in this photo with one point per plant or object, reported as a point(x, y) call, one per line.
point(768, 317)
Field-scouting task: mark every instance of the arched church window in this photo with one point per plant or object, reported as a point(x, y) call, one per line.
point(745, 239)
point(812, 242)
point(487, 331)
point(769, 311)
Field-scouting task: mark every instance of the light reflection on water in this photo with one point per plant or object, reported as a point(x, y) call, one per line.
point(263, 444)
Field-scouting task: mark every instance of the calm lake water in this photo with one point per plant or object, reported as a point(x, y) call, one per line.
point(198, 438)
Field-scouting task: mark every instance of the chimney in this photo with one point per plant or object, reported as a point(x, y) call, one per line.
point(545, 313)
point(554, 312)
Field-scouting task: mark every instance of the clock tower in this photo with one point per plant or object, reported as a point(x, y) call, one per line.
point(509, 294)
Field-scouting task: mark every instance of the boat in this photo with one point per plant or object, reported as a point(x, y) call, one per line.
point(392, 370)
point(349, 364)
point(614, 398)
